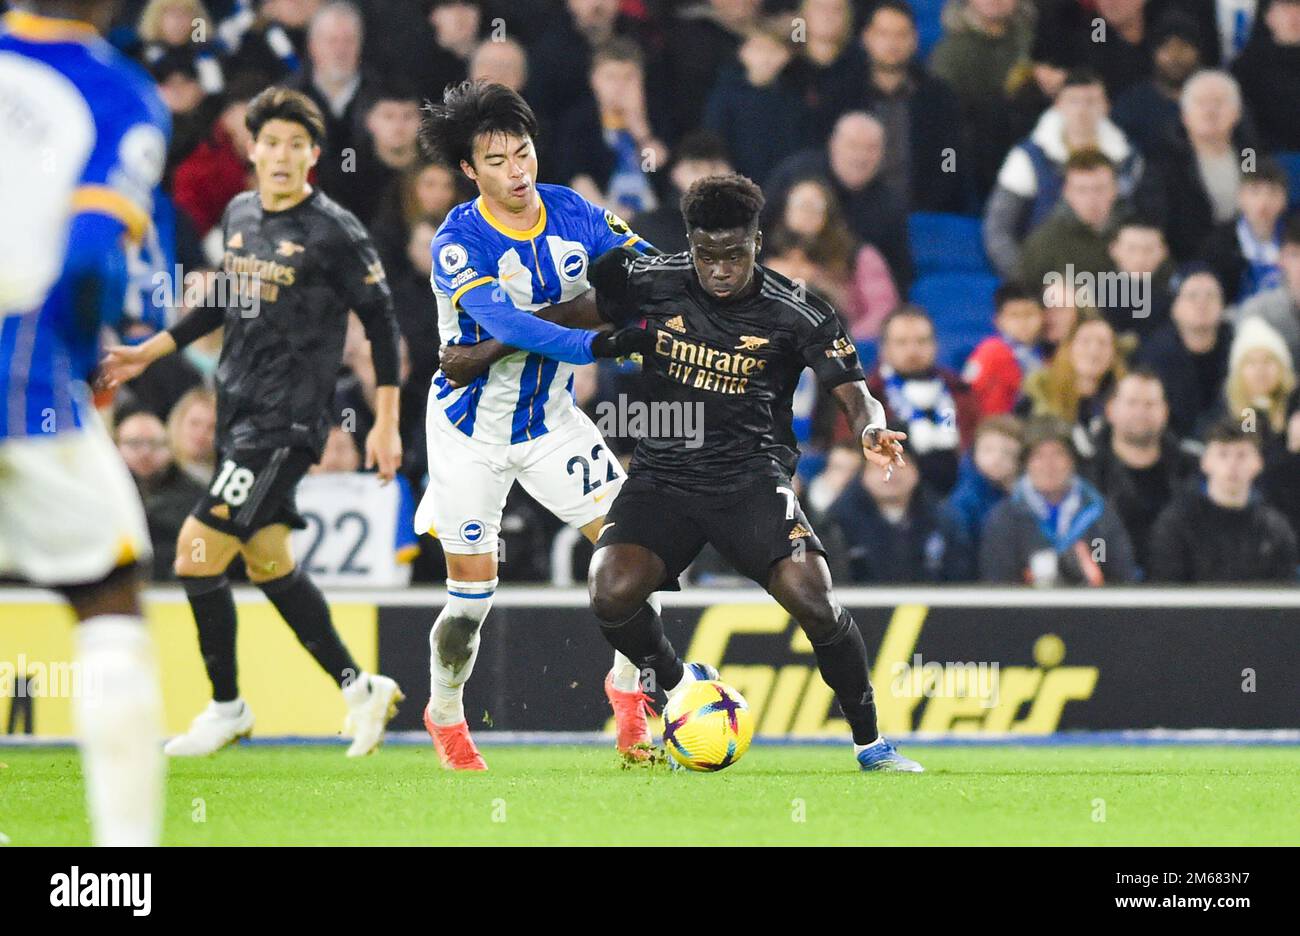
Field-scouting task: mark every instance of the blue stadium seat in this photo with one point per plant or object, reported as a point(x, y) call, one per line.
point(961, 305)
point(946, 243)
point(1291, 163)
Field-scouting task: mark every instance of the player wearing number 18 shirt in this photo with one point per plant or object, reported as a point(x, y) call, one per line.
point(295, 263)
point(730, 337)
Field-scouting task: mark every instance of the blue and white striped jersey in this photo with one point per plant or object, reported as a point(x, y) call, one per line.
point(83, 142)
point(522, 396)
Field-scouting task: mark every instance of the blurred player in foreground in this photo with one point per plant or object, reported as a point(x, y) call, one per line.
point(83, 140)
point(295, 263)
point(505, 266)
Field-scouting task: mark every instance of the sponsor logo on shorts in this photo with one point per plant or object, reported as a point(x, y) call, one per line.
point(471, 531)
point(221, 510)
point(799, 532)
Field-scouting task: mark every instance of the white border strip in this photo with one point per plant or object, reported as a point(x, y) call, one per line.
point(511, 596)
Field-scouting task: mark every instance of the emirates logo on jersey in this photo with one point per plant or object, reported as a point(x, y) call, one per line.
point(676, 324)
point(751, 343)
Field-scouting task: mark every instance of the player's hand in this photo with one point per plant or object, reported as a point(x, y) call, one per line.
point(887, 450)
point(621, 343)
point(384, 449)
point(120, 364)
point(462, 363)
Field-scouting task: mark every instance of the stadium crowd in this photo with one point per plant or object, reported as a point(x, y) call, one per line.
point(1059, 232)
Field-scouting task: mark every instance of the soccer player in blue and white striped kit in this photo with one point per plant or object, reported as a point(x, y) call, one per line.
point(83, 141)
point(516, 253)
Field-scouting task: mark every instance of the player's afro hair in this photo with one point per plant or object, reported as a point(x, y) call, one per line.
point(721, 202)
point(469, 109)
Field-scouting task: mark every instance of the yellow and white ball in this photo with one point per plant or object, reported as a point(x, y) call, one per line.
point(708, 726)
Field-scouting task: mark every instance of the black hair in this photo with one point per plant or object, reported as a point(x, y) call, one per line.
point(1136, 221)
point(280, 103)
point(898, 6)
point(468, 110)
point(1082, 77)
point(722, 202)
point(906, 310)
point(395, 88)
point(1229, 430)
point(1015, 291)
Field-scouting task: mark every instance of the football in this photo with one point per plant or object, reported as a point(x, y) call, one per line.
point(708, 726)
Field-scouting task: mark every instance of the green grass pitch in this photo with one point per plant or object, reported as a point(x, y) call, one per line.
point(304, 795)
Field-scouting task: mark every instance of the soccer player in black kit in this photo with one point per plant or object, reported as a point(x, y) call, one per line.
point(727, 333)
point(295, 263)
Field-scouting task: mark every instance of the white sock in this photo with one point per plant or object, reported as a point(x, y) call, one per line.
point(228, 709)
point(118, 711)
point(859, 748)
point(688, 677)
point(627, 675)
point(460, 620)
point(357, 690)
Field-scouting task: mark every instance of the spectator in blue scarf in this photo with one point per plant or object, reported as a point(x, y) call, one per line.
point(1055, 528)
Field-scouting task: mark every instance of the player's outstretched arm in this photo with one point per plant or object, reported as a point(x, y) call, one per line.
point(881, 446)
point(462, 363)
point(126, 362)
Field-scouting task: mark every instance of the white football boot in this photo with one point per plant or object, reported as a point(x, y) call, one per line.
point(211, 730)
point(372, 701)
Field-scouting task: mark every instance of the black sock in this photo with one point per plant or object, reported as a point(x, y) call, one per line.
point(213, 604)
point(303, 607)
point(842, 660)
point(641, 639)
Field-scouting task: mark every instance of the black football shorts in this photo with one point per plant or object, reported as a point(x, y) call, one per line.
point(752, 528)
point(254, 488)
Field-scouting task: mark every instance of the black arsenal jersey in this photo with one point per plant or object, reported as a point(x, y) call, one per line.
point(728, 371)
point(287, 281)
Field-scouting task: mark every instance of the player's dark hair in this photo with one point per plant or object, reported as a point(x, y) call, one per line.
point(906, 310)
point(468, 110)
point(721, 202)
point(279, 103)
point(1015, 291)
point(1229, 431)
